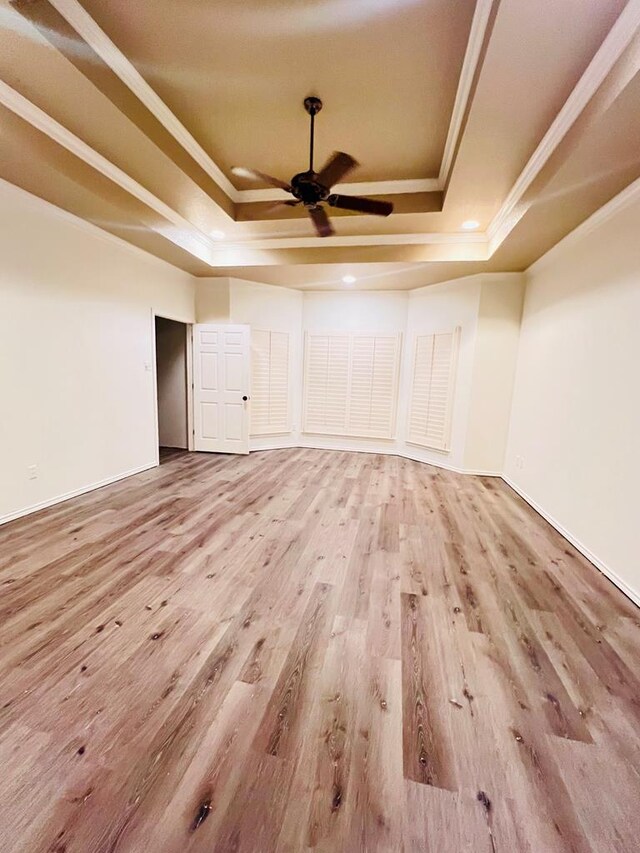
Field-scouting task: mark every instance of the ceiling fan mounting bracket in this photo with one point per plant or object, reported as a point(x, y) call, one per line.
point(312, 105)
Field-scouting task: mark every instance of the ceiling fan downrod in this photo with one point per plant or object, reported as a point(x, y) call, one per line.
point(313, 106)
point(314, 189)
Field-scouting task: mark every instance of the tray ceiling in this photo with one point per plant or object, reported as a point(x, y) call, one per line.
point(520, 116)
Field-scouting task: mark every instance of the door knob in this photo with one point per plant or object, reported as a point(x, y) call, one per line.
point(245, 398)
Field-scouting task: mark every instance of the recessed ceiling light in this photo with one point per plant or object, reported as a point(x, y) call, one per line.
point(348, 279)
point(470, 224)
point(217, 235)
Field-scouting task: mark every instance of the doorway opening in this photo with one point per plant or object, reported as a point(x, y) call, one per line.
point(172, 386)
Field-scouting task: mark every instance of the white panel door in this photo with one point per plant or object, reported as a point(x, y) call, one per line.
point(221, 376)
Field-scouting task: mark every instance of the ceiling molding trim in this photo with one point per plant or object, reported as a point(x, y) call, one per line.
point(418, 185)
point(418, 239)
point(183, 234)
point(87, 28)
point(609, 52)
point(38, 203)
point(629, 195)
point(481, 17)
point(99, 41)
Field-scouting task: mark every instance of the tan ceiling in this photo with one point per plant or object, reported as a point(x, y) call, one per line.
point(231, 77)
point(236, 73)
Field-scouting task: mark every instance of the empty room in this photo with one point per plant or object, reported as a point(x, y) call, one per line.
point(319, 426)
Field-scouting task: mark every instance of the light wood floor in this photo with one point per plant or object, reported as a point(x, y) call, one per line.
point(317, 650)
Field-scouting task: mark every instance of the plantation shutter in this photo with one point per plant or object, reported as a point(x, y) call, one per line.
point(374, 366)
point(432, 389)
point(326, 383)
point(269, 382)
point(351, 384)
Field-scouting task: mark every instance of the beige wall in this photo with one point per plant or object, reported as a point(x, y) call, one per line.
point(76, 372)
point(76, 352)
point(487, 309)
point(212, 300)
point(171, 373)
point(574, 442)
point(494, 367)
point(442, 308)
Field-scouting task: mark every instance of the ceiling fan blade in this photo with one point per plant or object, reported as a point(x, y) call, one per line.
point(321, 221)
point(278, 204)
point(359, 204)
point(255, 175)
point(336, 168)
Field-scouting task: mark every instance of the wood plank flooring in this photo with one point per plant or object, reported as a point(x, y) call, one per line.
point(311, 650)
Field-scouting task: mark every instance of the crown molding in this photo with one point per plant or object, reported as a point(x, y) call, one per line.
point(630, 195)
point(417, 239)
point(99, 41)
point(82, 22)
point(188, 237)
point(609, 52)
point(473, 52)
point(481, 17)
point(38, 203)
point(417, 185)
point(183, 234)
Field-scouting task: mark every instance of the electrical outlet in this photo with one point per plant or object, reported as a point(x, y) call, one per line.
point(32, 472)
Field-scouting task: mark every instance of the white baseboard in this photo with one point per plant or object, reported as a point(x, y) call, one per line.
point(349, 445)
point(608, 572)
point(274, 446)
point(272, 442)
point(622, 585)
point(284, 444)
point(12, 516)
point(447, 466)
point(389, 448)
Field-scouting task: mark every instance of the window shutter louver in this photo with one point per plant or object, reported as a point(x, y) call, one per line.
point(269, 382)
point(432, 389)
point(351, 384)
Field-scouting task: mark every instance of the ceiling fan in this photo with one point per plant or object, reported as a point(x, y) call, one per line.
point(312, 188)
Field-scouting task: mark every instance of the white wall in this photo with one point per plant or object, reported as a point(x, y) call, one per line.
point(76, 352)
point(171, 377)
point(352, 311)
point(575, 422)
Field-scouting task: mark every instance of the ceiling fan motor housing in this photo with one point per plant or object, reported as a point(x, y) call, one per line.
point(306, 188)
